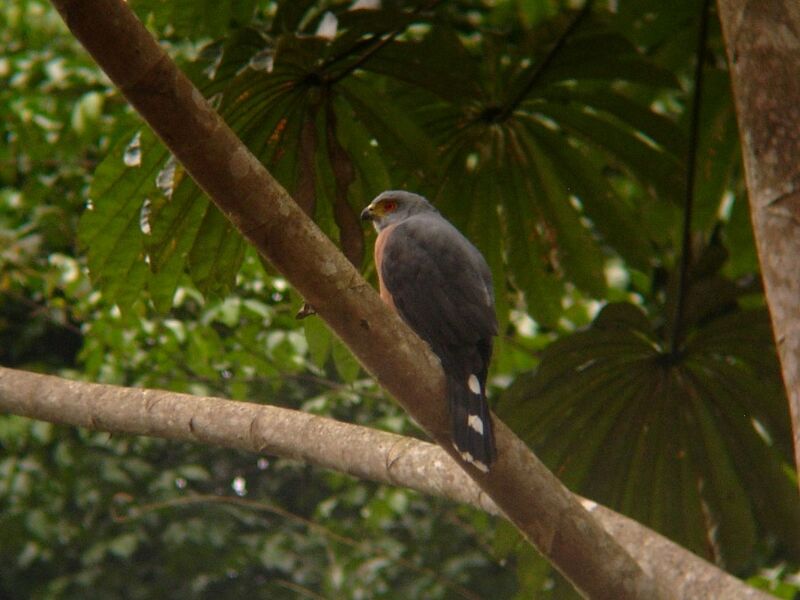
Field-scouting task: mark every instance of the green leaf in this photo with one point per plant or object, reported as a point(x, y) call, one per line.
point(667, 440)
point(110, 229)
point(346, 364)
point(718, 151)
point(580, 172)
point(396, 133)
point(652, 166)
point(659, 128)
point(428, 65)
point(372, 172)
point(319, 338)
point(578, 253)
point(526, 258)
point(190, 18)
point(174, 220)
point(217, 253)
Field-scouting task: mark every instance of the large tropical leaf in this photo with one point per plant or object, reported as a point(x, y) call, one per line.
point(530, 148)
point(693, 443)
point(277, 94)
point(523, 136)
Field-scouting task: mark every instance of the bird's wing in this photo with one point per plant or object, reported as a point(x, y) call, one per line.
point(439, 282)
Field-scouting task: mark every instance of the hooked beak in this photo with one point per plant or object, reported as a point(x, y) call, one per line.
point(366, 214)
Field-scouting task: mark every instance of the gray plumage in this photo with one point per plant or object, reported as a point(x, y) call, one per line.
point(442, 287)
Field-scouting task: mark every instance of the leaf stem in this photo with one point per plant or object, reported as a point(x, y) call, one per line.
point(688, 200)
point(539, 68)
point(381, 42)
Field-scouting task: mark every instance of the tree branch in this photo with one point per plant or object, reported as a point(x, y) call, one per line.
point(531, 497)
point(762, 41)
point(359, 451)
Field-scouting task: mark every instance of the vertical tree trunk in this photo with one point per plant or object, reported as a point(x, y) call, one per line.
point(762, 39)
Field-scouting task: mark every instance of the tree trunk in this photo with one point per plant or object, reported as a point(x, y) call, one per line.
point(762, 39)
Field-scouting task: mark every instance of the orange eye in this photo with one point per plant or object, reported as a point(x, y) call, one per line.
point(389, 205)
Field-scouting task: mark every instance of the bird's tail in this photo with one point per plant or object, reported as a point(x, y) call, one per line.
point(473, 435)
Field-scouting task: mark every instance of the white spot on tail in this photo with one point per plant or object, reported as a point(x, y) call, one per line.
point(474, 385)
point(476, 423)
point(328, 26)
point(467, 456)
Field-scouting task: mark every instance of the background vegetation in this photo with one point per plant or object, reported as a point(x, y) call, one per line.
point(636, 355)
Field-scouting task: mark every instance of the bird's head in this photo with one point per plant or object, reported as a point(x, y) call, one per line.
point(394, 206)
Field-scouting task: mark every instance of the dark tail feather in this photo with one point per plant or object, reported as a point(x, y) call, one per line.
point(473, 435)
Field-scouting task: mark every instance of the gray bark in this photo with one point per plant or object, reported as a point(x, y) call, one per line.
point(762, 40)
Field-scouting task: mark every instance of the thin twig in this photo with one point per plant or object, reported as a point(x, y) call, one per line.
point(303, 591)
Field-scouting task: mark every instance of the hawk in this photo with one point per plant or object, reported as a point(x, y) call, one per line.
point(441, 286)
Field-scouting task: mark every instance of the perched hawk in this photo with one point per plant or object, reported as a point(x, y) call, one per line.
point(442, 287)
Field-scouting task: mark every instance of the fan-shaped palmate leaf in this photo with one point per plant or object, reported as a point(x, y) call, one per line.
point(541, 135)
point(438, 63)
point(612, 219)
point(693, 444)
point(291, 117)
point(293, 104)
point(652, 166)
point(660, 129)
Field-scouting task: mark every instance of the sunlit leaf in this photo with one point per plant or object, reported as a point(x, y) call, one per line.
point(110, 229)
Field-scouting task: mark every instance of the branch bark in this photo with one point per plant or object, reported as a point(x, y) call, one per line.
point(359, 451)
point(762, 40)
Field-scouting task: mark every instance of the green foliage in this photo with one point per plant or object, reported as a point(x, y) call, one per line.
point(668, 439)
point(556, 140)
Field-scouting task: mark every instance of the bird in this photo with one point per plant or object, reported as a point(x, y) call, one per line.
point(441, 286)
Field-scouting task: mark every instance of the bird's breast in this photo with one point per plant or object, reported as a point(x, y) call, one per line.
point(380, 243)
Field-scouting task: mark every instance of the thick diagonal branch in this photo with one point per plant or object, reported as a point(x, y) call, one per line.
point(359, 451)
point(530, 496)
